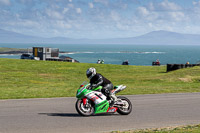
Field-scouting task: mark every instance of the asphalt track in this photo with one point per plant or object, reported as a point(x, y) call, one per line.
point(58, 115)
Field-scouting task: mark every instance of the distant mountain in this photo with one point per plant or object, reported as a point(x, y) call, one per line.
point(155, 38)
point(13, 37)
point(169, 38)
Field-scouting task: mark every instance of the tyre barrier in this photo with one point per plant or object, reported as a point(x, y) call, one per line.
point(172, 67)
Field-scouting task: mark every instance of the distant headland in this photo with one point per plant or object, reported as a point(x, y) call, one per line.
point(19, 51)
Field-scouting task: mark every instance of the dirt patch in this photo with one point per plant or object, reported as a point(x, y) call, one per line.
point(188, 79)
point(50, 76)
point(43, 74)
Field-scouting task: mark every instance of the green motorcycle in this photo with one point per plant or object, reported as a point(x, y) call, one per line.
point(92, 101)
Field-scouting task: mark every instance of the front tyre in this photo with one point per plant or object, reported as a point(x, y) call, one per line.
point(84, 110)
point(126, 108)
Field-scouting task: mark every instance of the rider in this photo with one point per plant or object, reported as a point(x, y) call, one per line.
point(97, 79)
point(99, 61)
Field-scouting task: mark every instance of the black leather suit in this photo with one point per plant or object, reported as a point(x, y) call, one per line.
point(99, 80)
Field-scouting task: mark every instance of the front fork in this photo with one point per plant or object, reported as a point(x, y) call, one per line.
point(85, 101)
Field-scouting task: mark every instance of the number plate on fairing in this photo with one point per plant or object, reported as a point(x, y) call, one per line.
point(96, 97)
point(113, 109)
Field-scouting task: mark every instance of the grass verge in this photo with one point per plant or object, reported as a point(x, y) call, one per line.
point(181, 129)
point(42, 79)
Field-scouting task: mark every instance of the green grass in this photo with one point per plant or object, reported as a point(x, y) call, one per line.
point(42, 79)
point(183, 129)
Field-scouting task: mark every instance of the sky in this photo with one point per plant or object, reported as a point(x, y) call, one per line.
point(99, 19)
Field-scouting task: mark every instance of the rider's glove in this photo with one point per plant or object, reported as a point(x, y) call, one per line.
point(90, 87)
point(94, 85)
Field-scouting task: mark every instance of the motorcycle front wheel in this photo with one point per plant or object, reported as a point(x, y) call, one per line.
point(84, 110)
point(127, 106)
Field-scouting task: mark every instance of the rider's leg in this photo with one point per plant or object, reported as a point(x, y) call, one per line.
point(107, 91)
point(113, 99)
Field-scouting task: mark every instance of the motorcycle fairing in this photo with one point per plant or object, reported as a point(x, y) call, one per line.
point(102, 107)
point(101, 104)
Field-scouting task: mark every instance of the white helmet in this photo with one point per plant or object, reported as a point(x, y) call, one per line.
point(91, 72)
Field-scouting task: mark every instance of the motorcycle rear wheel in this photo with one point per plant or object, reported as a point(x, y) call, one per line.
point(84, 110)
point(127, 108)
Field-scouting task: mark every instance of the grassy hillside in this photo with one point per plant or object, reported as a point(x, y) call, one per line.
point(34, 79)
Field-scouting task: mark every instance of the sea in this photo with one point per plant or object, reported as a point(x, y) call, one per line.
point(115, 54)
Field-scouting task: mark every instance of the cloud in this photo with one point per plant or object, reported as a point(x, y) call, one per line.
point(142, 11)
point(78, 10)
point(164, 6)
point(65, 10)
point(162, 15)
point(70, 5)
point(24, 23)
point(168, 6)
point(54, 14)
point(91, 5)
point(164, 11)
point(104, 18)
point(121, 26)
point(115, 16)
point(5, 2)
point(196, 3)
point(177, 16)
point(104, 2)
point(62, 25)
point(196, 8)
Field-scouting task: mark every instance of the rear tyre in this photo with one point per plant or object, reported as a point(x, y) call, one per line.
point(84, 110)
point(126, 108)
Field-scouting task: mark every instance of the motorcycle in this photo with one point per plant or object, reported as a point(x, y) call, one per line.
point(93, 101)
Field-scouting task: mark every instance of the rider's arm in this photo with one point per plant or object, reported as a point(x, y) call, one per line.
point(98, 82)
